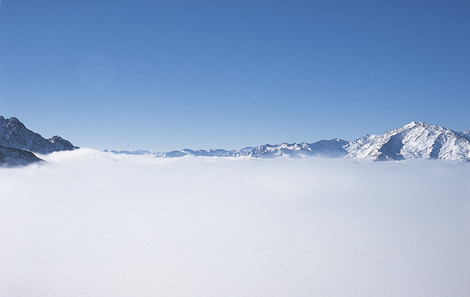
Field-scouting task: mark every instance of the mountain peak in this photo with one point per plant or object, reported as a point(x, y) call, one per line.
point(415, 140)
point(420, 124)
point(14, 134)
point(412, 124)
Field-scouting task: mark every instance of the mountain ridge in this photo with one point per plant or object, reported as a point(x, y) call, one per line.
point(14, 134)
point(18, 144)
point(416, 140)
point(13, 157)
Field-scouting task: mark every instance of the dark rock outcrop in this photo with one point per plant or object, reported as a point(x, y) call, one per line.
point(12, 157)
point(14, 134)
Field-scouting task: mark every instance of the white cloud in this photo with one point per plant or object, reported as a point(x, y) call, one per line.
point(89, 223)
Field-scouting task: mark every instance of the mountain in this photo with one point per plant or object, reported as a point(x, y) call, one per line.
point(466, 134)
point(333, 148)
point(18, 144)
point(197, 153)
point(10, 157)
point(324, 148)
point(14, 134)
point(412, 141)
point(138, 152)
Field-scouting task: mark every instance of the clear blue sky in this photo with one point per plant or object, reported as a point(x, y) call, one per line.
point(164, 75)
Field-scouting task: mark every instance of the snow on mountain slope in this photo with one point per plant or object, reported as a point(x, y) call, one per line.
point(137, 152)
point(14, 134)
point(466, 134)
point(412, 141)
point(324, 148)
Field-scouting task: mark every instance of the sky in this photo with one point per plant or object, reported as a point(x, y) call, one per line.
point(163, 75)
point(199, 227)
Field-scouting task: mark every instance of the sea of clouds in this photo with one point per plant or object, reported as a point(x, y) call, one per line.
point(89, 223)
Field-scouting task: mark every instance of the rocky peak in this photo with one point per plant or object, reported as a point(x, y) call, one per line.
point(14, 134)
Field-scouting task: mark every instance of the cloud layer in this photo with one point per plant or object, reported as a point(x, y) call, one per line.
point(89, 223)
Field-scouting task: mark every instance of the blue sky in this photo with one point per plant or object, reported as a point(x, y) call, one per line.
point(164, 75)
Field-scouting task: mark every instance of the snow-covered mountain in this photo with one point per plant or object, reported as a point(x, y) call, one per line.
point(324, 148)
point(466, 134)
point(138, 152)
point(412, 141)
point(333, 148)
point(14, 134)
point(197, 153)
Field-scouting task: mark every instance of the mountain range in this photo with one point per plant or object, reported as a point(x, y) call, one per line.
point(412, 141)
point(18, 144)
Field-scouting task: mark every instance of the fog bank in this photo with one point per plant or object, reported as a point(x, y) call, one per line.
point(88, 223)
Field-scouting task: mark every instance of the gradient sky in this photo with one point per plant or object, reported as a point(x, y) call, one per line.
point(164, 75)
